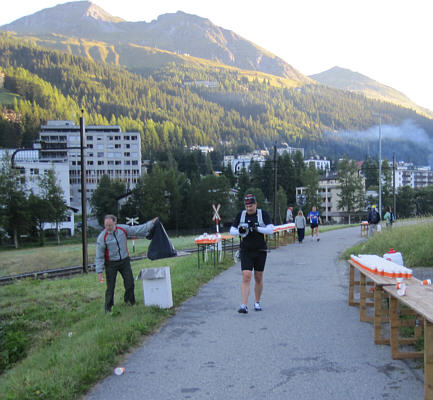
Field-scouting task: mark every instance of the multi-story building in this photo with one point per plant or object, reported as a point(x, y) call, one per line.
point(329, 190)
point(406, 174)
point(32, 169)
point(243, 161)
point(324, 164)
point(109, 151)
point(290, 150)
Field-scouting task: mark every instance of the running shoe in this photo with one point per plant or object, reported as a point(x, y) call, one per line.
point(318, 239)
point(257, 306)
point(243, 309)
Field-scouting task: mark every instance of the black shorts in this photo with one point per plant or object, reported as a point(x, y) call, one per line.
point(253, 259)
point(312, 226)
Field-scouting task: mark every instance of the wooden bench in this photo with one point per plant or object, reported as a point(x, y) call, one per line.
point(374, 298)
point(419, 302)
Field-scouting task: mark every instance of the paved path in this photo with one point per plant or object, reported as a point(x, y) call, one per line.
point(307, 343)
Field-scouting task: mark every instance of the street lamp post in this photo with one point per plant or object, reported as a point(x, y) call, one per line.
point(380, 165)
point(83, 192)
point(82, 147)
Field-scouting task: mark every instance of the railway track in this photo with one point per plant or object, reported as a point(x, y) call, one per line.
point(78, 269)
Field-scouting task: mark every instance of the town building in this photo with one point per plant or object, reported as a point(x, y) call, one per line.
point(243, 161)
point(324, 165)
point(108, 151)
point(406, 174)
point(32, 169)
point(329, 190)
point(290, 150)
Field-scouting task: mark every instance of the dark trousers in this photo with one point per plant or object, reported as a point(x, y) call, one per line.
point(111, 269)
point(301, 234)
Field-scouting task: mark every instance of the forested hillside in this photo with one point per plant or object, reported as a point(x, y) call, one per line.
point(171, 109)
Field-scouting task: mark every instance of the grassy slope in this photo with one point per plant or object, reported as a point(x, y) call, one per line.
point(6, 97)
point(68, 340)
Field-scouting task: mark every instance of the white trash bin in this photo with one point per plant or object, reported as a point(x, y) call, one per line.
point(156, 287)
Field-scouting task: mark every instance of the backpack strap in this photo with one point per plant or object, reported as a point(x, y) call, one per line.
point(107, 253)
point(242, 220)
point(260, 217)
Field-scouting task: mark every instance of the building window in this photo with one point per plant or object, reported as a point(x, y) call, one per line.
point(117, 146)
point(89, 137)
point(100, 162)
point(126, 137)
point(100, 154)
point(127, 154)
point(134, 162)
point(133, 137)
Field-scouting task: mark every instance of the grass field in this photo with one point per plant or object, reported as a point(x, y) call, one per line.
point(414, 239)
point(6, 97)
point(56, 340)
point(13, 261)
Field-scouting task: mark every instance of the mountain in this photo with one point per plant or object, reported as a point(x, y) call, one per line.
point(346, 79)
point(203, 103)
point(178, 33)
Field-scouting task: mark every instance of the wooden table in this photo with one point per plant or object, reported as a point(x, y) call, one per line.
point(418, 299)
point(377, 296)
point(283, 234)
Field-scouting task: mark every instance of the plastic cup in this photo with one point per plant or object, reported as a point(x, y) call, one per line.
point(426, 282)
point(119, 371)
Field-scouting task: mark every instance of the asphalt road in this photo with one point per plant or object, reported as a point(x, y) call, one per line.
point(307, 343)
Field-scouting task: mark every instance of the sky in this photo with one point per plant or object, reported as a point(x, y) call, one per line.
point(386, 40)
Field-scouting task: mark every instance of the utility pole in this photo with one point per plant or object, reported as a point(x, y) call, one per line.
point(83, 191)
point(380, 165)
point(275, 184)
point(394, 200)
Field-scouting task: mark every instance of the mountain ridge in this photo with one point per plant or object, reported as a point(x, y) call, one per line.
point(346, 79)
point(179, 32)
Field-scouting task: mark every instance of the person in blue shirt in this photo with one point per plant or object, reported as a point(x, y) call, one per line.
point(314, 218)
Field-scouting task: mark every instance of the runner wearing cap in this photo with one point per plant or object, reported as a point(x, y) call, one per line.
point(252, 224)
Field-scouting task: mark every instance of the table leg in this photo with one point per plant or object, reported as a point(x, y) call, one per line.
point(428, 360)
point(378, 316)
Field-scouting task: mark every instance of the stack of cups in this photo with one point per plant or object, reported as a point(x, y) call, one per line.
point(426, 282)
point(401, 287)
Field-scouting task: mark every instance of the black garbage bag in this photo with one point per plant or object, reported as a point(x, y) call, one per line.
point(160, 246)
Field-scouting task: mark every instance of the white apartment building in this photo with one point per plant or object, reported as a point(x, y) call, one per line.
point(32, 169)
point(290, 150)
point(109, 151)
point(329, 190)
point(324, 164)
point(407, 174)
point(237, 163)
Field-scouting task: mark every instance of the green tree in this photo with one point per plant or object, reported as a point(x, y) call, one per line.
point(53, 193)
point(40, 211)
point(351, 196)
point(387, 198)
point(13, 201)
point(405, 202)
point(104, 198)
point(310, 180)
point(370, 170)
